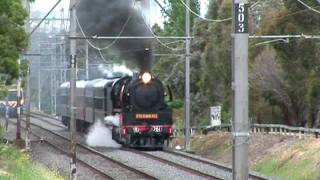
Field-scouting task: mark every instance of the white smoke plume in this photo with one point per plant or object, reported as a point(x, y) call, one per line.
point(101, 136)
point(112, 120)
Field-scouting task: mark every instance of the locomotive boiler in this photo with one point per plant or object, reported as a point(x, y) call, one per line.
point(137, 103)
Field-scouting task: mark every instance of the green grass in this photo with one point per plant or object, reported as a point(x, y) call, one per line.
point(288, 169)
point(15, 165)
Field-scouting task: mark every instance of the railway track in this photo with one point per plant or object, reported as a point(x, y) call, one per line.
point(180, 166)
point(156, 155)
point(171, 163)
point(50, 120)
point(252, 175)
point(64, 152)
point(105, 164)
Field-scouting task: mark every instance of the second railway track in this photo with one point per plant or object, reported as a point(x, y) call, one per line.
point(97, 160)
point(218, 171)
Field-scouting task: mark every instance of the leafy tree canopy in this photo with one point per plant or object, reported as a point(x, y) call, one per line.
point(298, 60)
point(13, 38)
point(175, 16)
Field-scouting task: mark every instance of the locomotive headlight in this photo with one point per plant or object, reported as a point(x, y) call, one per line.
point(146, 77)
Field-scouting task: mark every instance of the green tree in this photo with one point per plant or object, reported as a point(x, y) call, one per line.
point(171, 68)
point(213, 48)
point(13, 38)
point(175, 15)
point(298, 59)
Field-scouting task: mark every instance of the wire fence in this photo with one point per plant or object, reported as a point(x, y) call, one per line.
point(276, 129)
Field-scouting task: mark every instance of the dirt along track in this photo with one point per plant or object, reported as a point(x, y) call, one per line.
point(97, 161)
point(184, 165)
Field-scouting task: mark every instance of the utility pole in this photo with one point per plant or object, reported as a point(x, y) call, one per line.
point(27, 99)
point(187, 79)
point(73, 144)
point(18, 132)
point(87, 60)
point(240, 89)
point(39, 86)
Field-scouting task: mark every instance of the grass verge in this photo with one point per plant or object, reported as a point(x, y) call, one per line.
point(299, 162)
point(17, 165)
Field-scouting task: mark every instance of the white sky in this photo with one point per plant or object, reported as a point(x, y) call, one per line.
point(45, 5)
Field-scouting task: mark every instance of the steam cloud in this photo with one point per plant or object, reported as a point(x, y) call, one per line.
point(107, 18)
point(100, 136)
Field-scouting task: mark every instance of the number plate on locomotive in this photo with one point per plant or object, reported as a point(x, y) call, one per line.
point(145, 116)
point(157, 128)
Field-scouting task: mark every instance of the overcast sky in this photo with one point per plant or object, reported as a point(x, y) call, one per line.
point(45, 5)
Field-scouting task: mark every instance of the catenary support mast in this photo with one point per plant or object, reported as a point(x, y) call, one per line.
point(73, 28)
point(187, 79)
point(240, 89)
point(27, 99)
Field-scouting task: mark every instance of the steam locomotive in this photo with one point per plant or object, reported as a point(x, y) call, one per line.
point(140, 116)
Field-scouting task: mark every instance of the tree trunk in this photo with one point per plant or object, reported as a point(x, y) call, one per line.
point(317, 121)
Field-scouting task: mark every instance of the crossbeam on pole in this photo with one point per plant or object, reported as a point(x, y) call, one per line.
point(284, 36)
point(130, 37)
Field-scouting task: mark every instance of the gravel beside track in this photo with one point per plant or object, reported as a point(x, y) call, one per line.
point(146, 165)
point(87, 171)
point(197, 166)
point(159, 169)
point(167, 164)
point(168, 153)
point(115, 170)
point(50, 123)
point(55, 158)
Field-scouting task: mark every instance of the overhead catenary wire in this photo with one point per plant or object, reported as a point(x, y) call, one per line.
point(309, 7)
point(165, 11)
point(206, 19)
point(285, 36)
point(155, 36)
point(288, 15)
point(109, 45)
point(37, 26)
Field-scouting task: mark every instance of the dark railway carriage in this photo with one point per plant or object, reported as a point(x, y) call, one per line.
point(80, 98)
point(63, 102)
point(136, 102)
point(102, 101)
point(89, 96)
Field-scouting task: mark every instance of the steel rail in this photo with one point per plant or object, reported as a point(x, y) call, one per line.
point(167, 150)
point(95, 152)
point(38, 116)
point(216, 165)
point(173, 164)
point(104, 175)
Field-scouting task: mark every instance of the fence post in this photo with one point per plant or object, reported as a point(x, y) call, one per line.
point(287, 132)
point(299, 134)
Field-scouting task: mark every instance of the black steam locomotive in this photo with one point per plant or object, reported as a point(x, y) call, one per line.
point(137, 103)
